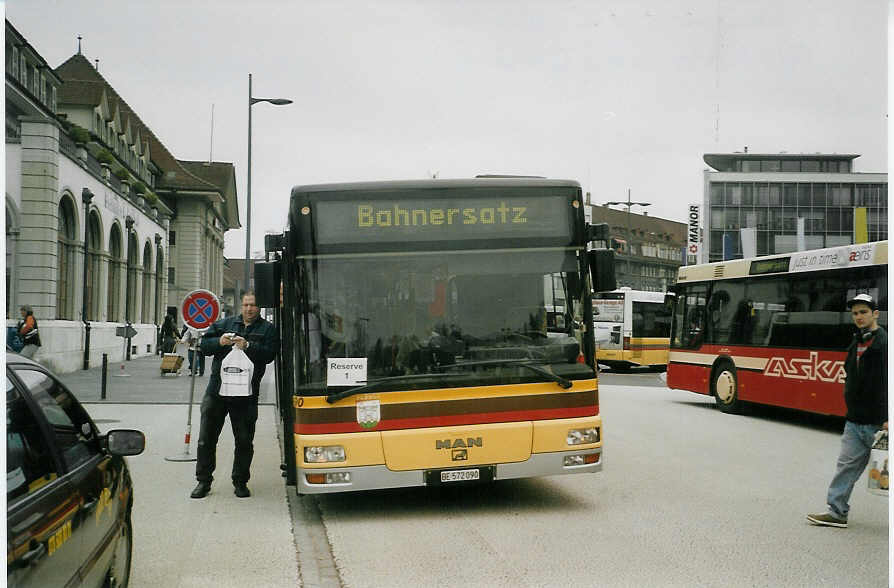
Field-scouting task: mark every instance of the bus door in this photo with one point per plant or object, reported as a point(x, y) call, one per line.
point(687, 337)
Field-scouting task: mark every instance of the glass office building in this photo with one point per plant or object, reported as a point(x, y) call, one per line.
point(769, 193)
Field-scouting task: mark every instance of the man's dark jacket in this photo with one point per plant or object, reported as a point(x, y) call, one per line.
point(263, 343)
point(866, 386)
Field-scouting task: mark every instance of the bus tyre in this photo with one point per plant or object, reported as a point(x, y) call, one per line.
point(724, 387)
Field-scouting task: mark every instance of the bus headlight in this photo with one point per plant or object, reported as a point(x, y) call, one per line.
point(582, 436)
point(324, 454)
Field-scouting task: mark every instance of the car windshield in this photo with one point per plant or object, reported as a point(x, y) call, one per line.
point(411, 315)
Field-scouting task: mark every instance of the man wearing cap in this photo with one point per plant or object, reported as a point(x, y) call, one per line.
point(866, 397)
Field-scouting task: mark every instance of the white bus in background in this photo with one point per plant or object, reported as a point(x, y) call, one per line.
point(632, 328)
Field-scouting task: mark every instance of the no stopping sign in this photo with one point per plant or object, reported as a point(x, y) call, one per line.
point(200, 309)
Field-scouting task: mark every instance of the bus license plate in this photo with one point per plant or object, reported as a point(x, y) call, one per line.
point(460, 475)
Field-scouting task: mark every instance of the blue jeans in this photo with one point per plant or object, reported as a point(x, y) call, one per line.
point(201, 360)
point(856, 445)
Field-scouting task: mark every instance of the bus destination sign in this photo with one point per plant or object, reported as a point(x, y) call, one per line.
point(416, 219)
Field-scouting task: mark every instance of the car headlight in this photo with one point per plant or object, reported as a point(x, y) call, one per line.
point(324, 453)
point(582, 436)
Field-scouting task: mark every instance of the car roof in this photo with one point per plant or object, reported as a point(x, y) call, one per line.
point(15, 358)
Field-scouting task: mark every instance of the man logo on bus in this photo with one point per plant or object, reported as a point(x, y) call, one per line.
point(809, 368)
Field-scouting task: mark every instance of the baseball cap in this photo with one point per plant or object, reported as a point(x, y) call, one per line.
point(862, 299)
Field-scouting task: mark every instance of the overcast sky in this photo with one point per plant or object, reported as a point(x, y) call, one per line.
point(614, 94)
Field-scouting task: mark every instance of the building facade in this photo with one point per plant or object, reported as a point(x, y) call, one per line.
point(648, 250)
point(93, 204)
point(769, 193)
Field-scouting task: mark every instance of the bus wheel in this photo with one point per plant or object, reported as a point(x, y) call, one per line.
point(724, 387)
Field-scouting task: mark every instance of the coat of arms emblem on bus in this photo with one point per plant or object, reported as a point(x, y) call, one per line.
point(368, 413)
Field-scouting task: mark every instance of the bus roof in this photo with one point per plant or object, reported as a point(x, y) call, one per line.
point(830, 258)
point(433, 184)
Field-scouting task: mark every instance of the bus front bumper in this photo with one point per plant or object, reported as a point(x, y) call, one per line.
point(379, 476)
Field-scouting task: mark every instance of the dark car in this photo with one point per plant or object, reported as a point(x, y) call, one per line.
point(68, 490)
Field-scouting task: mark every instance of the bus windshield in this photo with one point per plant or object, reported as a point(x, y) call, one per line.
point(411, 314)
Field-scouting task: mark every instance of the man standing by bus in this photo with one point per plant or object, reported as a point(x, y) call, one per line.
point(259, 340)
point(866, 397)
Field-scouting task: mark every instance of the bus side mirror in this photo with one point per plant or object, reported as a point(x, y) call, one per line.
point(267, 283)
point(669, 298)
point(602, 270)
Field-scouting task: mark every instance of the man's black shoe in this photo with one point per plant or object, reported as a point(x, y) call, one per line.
point(241, 490)
point(201, 490)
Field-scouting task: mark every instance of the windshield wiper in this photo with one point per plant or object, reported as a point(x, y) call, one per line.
point(336, 396)
point(563, 382)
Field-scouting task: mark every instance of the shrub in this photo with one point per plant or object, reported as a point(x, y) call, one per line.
point(140, 188)
point(122, 174)
point(79, 134)
point(105, 157)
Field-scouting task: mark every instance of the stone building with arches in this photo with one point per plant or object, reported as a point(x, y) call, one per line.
point(104, 227)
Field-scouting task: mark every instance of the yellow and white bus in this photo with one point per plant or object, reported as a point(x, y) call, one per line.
point(416, 346)
point(632, 328)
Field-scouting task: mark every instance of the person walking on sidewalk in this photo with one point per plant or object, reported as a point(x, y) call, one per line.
point(259, 340)
point(28, 332)
point(866, 397)
point(191, 337)
point(168, 334)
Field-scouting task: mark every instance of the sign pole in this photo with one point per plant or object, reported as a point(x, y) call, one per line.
point(185, 456)
point(200, 309)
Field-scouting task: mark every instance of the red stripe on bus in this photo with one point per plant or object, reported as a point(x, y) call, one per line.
point(448, 420)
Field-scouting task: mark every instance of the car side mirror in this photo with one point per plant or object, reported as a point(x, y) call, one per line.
point(125, 442)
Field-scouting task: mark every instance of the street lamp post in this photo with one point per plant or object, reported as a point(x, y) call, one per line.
point(87, 197)
point(251, 102)
point(628, 204)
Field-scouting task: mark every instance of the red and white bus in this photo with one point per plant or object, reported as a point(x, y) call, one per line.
point(773, 330)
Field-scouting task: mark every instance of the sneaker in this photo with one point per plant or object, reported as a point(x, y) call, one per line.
point(241, 490)
point(827, 519)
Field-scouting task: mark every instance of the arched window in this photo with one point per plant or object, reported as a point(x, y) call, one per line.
point(66, 245)
point(116, 266)
point(132, 265)
point(159, 277)
point(145, 315)
point(94, 254)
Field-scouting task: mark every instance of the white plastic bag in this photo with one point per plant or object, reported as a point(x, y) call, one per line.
point(878, 465)
point(235, 374)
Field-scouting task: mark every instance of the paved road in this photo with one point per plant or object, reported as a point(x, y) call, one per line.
point(632, 377)
point(689, 497)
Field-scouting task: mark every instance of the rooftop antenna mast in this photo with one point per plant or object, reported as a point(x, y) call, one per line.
point(211, 146)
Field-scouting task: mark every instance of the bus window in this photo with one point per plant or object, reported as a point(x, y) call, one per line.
point(651, 319)
point(767, 299)
point(725, 301)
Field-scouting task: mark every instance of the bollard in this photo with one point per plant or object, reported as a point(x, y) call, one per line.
point(105, 375)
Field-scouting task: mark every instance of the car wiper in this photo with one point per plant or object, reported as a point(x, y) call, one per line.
point(563, 382)
point(336, 396)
